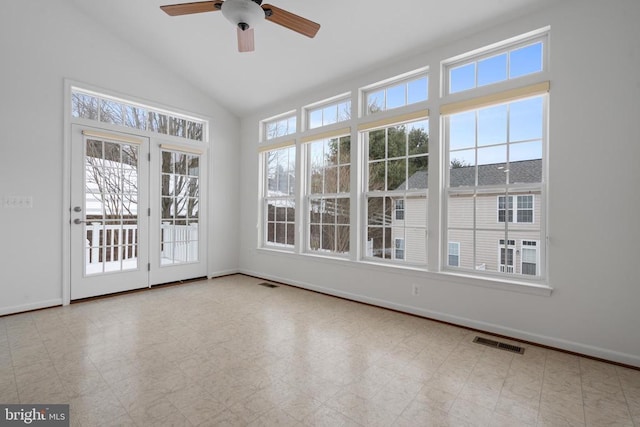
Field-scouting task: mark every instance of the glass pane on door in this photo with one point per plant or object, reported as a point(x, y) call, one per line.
point(111, 207)
point(180, 205)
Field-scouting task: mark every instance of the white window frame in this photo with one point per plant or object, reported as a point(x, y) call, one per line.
point(385, 85)
point(535, 247)
point(389, 194)
point(399, 209)
point(505, 92)
point(310, 197)
point(515, 212)
point(284, 120)
point(361, 122)
point(478, 190)
point(287, 200)
point(505, 46)
point(323, 105)
point(127, 107)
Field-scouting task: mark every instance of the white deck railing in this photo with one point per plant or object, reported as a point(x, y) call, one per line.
point(116, 242)
point(111, 242)
point(179, 243)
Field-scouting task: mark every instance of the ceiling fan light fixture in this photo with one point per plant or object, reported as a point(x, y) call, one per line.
point(243, 13)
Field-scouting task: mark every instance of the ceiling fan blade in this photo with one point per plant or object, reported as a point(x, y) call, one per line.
point(290, 20)
point(189, 8)
point(245, 40)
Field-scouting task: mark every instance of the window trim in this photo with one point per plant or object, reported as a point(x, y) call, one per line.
point(308, 196)
point(264, 135)
point(265, 198)
point(495, 49)
point(534, 247)
point(330, 102)
point(398, 209)
point(402, 119)
point(360, 123)
point(541, 277)
point(129, 102)
point(515, 212)
point(404, 78)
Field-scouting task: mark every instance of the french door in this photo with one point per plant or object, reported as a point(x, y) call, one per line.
point(178, 235)
point(109, 221)
point(135, 207)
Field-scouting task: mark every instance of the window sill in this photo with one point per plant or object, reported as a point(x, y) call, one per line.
point(497, 283)
point(277, 249)
point(491, 282)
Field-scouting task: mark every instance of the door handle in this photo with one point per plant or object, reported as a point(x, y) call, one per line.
point(78, 221)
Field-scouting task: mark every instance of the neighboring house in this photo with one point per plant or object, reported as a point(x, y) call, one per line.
point(515, 215)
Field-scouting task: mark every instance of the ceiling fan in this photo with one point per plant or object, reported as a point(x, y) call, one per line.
point(245, 15)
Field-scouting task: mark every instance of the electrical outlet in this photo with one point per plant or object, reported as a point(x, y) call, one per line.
point(415, 289)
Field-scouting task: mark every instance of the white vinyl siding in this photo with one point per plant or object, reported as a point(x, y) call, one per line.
point(412, 229)
point(488, 231)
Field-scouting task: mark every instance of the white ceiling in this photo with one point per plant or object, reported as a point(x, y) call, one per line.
point(355, 35)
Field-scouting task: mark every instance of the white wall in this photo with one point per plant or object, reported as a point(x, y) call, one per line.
point(42, 42)
point(593, 198)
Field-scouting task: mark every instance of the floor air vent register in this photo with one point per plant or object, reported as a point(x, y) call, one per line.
point(499, 345)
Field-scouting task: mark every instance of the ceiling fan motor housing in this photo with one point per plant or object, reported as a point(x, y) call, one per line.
point(244, 14)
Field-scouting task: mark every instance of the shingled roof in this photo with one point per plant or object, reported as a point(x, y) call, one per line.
point(519, 172)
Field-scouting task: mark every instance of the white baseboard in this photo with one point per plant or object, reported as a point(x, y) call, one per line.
point(29, 307)
point(561, 344)
point(223, 273)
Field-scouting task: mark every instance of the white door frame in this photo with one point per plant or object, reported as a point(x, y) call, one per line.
point(155, 140)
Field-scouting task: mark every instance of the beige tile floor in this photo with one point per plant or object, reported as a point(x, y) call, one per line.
point(229, 352)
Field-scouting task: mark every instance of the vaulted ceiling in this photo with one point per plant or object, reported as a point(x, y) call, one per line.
point(355, 35)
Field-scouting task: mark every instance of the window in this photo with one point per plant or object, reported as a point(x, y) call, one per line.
point(329, 175)
point(328, 114)
point(397, 94)
point(490, 170)
point(519, 60)
point(454, 254)
point(495, 156)
point(495, 153)
point(397, 172)
point(523, 212)
point(399, 249)
point(107, 109)
point(278, 127)
point(180, 207)
point(529, 258)
point(399, 209)
point(279, 199)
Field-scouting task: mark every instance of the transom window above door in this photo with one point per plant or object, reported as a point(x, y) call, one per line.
point(103, 108)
